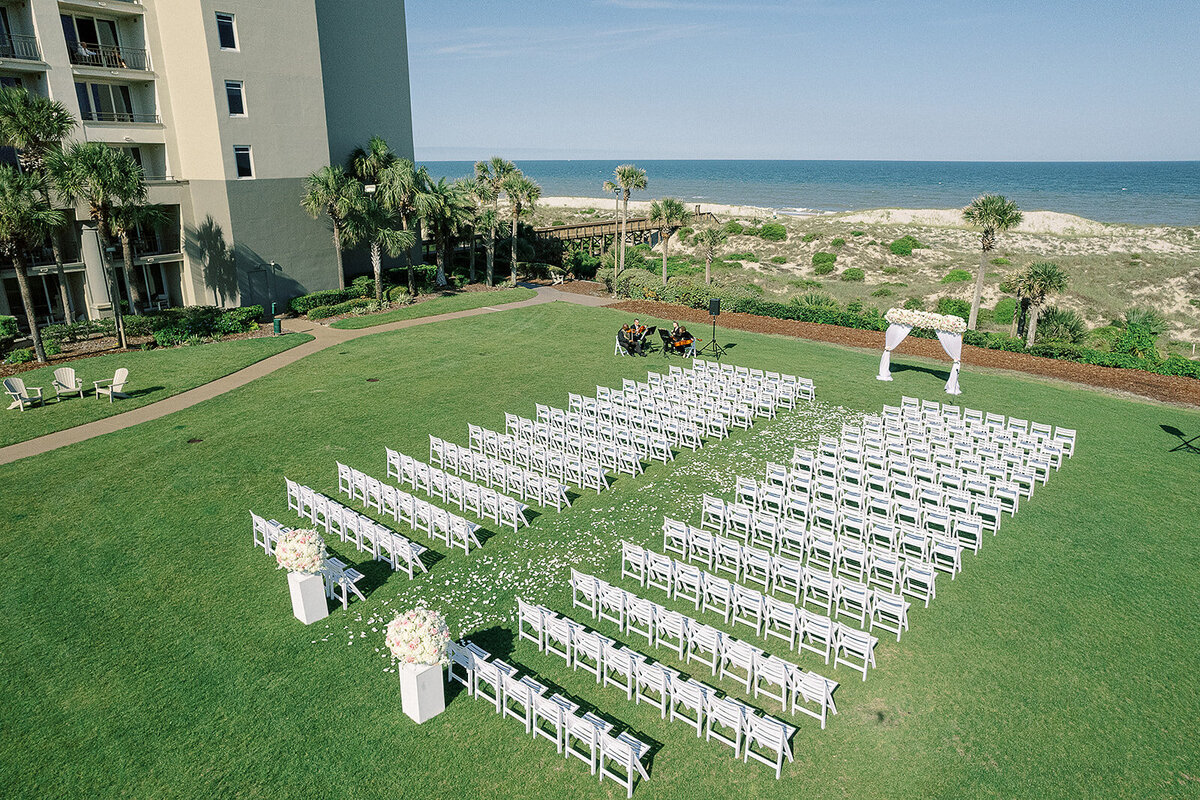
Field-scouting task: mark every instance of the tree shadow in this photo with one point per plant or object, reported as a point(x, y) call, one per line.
point(206, 245)
point(940, 374)
point(1186, 444)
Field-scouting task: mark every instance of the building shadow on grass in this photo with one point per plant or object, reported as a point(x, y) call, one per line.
point(1186, 444)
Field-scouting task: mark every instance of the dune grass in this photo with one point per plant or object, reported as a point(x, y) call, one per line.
point(150, 650)
point(445, 304)
point(153, 376)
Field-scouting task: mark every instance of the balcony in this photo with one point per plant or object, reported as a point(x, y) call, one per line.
point(117, 116)
point(22, 47)
point(86, 54)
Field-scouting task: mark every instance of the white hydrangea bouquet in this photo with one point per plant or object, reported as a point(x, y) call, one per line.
point(419, 636)
point(301, 551)
point(949, 323)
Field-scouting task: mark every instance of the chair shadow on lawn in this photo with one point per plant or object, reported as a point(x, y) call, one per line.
point(940, 374)
point(1186, 444)
point(496, 640)
point(91, 395)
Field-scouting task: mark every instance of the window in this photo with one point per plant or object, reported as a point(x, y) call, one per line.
point(241, 157)
point(237, 101)
point(226, 33)
point(107, 102)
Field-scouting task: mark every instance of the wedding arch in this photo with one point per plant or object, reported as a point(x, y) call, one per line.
point(949, 330)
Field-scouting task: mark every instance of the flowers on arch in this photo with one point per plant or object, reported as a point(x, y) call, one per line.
point(949, 323)
point(301, 551)
point(419, 636)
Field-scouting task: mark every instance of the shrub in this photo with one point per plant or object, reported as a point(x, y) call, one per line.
point(882, 291)
point(915, 304)
point(858, 233)
point(557, 222)
point(1000, 262)
point(904, 246)
point(824, 268)
point(956, 276)
point(239, 320)
point(778, 259)
point(804, 283)
point(22, 355)
point(810, 237)
point(1005, 308)
point(891, 270)
point(1146, 318)
point(589, 211)
point(397, 294)
point(1137, 341)
point(772, 232)
point(839, 242)
point(854, 275)
point(1179, 365)
point(823, 258)
point(170, 336)
point(326, 297)
point(1061, 325)
point(1104, 338)
point(357, 304)
point(742, 257)
point(734, 228)
point(952, 305)
point(582, 265)
point(8, 330)
point(52, 348)
point(816, 300)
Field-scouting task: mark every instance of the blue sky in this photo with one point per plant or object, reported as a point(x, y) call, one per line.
point(854, 79)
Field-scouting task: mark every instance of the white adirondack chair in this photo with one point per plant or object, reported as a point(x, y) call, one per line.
point(113, 387)
point(65, 382)
point(21, 395)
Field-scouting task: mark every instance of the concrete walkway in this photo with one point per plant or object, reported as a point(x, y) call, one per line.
point(323, 337)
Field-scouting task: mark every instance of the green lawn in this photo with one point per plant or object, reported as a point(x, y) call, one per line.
point(153, 376)
point(149, 649)
point(464, 301)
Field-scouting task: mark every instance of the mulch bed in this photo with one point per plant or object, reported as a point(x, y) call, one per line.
point(1167, 388)
point(589, 288)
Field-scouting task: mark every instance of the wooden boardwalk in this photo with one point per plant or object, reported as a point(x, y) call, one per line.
point(601, 235)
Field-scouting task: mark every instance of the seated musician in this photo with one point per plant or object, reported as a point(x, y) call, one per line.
point(639, 336)
point(683, 339)
point(626, 339)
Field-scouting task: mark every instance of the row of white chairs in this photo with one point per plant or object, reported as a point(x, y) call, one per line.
point(335, 573)
point(911, 570)
point(646, 408)
point(542, 459)
point(397, 551)
point(530, 486)
point(482, 501)
point(993, 421)
point(554, 717)
point(767, 616)
point(924, 442)
point(419, 515)
point(711, 373)
point(796, 690)
point(689, 701)
point(576, 434)
point(620, 449)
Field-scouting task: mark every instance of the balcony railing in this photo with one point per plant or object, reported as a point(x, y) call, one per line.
point(86, 54)
point(165, 244)
point(117, 116)
point(17, 46)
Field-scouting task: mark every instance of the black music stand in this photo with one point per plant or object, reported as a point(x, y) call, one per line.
point(712, 348)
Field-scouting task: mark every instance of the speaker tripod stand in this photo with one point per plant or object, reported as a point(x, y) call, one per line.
point(712, 348)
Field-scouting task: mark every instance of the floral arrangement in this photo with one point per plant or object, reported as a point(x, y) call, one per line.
point(419, 636)
point(300, 551)
point(949, 323)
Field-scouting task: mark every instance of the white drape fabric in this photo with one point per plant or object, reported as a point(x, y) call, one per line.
point(952, 344)
point(892, 338)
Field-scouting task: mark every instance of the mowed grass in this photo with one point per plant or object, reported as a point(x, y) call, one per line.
point(463, 301)
point(149, 649)
point(153, 376)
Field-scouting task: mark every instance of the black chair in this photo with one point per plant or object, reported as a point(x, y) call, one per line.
point(668, 344)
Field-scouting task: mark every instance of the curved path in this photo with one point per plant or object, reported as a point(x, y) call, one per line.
point(323, 337)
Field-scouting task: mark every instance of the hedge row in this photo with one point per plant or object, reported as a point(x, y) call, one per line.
point(357, 304)
point(642, 285)
point(8, 329)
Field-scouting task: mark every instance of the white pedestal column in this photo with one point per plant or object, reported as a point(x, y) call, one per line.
point(885, 366)
point(422, 691)
point(308, 597)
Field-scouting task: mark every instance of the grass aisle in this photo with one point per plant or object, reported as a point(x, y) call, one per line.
point(150, 650)
point(153, 375)
point(463, 301)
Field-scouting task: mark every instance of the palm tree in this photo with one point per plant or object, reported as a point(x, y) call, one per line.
point(1039, 282)
point(403, 189)
point(611, 188)
point(523, 195)
point(993, 213)
point(447, 214)
point(100, 176)
point(334, 193)
point(367, 164)
point(629, 179)
point(708, 240)
point(37, 126)
point(125, 221)
point(481, 197)
point(372, 222)
point(492, 174)
point(669, 215)
point(25, 219)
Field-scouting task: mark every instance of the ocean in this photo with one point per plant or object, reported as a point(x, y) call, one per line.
point(1139, 192)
